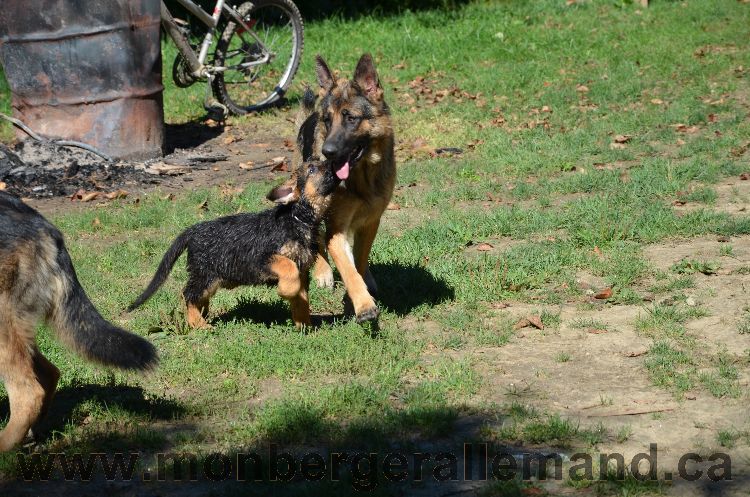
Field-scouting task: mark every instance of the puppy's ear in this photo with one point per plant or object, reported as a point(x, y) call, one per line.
point(325, 78)
point(284, 194)
point(367, 79)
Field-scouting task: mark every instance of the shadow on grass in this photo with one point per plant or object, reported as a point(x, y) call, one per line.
point(266, 313)
point(402, 287)
point(430, 438)
point(131, 400)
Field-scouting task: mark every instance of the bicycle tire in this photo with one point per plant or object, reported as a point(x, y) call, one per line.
point(270, 89)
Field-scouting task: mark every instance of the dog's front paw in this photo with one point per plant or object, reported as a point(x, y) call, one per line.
point(369, 314)
point(324, 279)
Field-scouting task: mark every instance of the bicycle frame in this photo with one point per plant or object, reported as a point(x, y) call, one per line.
point(197, 63)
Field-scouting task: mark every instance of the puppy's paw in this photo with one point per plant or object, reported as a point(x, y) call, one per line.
point(369, 314)
point(324, 279)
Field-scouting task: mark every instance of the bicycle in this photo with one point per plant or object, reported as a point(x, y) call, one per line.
point(257, 54)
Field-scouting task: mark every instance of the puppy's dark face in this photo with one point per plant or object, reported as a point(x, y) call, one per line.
point(351, 113)
point(317, 181)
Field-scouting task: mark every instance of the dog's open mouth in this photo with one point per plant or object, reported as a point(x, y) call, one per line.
point(342, 172)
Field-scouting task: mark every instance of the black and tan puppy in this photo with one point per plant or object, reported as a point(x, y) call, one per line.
point(38, 282)
point(276, 246)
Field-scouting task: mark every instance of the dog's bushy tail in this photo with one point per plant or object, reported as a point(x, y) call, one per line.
point(162, 272)
point(80, 326)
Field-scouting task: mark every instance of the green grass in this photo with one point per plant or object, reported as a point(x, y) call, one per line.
point(547, 182)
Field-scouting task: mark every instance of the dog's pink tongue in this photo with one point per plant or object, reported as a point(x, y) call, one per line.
point(343, 173)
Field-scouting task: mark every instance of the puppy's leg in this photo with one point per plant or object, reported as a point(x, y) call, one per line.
point(341, 252)
point(25, 393)
point(301, 303)
point(322, 271)
point(292, 287)
point(363, 241)
point(198, 293)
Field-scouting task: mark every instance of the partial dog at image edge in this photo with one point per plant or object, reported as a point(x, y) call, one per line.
point(38, 282)
point(352, 127)
point(275, 246)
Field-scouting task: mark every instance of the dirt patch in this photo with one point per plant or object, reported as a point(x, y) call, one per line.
point(199, 156)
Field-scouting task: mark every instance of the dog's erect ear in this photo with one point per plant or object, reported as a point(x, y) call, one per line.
point(366, 77)
point(325, 78)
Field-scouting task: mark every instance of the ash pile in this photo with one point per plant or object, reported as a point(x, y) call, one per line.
point(41, 169)
point(37, 169)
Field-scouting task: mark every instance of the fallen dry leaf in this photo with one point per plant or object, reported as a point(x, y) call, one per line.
point(684, 128)
point(116, 194)
point(604, 294)
point(596, 331)
point(536, 321)
point(522, 323)
point(636, 353)
point(247, 165)
point(278, 163)
point(393, 207)
point(229, 139)
point(582, 88)
point(484, 247)
point(622, 138)
point(161, 169)
point(88, 197)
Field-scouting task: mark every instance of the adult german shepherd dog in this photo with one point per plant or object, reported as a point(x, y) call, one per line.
point(38, 282)
point(351, 126)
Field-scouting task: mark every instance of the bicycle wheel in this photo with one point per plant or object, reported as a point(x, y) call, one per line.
point(258, 65)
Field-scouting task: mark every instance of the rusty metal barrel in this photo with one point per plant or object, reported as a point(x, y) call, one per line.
point(88, 71)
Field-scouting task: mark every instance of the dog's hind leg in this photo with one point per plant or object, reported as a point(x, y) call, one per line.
point(292, 286)
point(48, 376)
point(27, 395)
point(301, 303)
point(198, 293)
